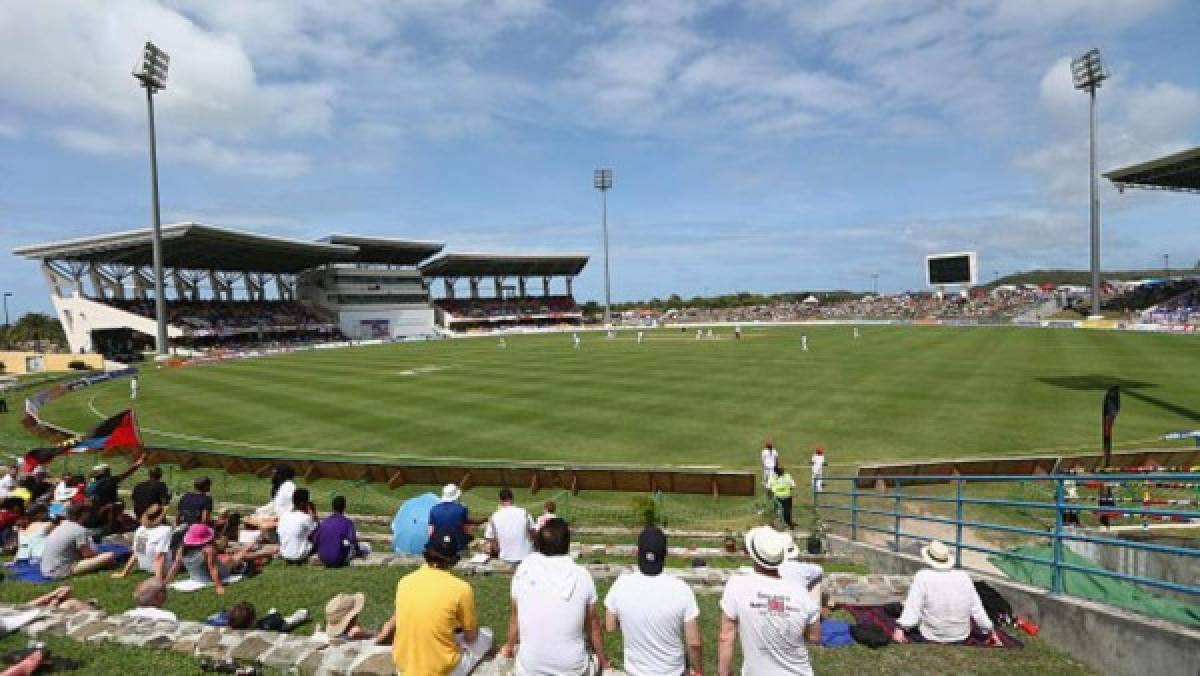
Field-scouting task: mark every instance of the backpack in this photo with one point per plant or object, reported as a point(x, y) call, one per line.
point(998, 610)
point(870, 635)
point(835, 634)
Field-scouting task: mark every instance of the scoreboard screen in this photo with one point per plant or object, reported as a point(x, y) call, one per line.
point(953, 269)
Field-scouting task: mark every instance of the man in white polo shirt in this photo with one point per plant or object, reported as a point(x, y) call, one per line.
point(655, 613)
point(511, 529)
point(770, 616)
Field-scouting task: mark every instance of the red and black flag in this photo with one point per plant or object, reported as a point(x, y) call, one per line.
point(119, 431)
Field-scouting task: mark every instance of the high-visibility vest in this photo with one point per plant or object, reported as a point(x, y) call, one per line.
point(781, 485)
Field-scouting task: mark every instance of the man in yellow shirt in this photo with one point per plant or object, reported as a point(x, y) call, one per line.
point(781, 487)
point(437, 632)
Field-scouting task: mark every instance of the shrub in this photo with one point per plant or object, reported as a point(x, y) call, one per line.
point(647, 511)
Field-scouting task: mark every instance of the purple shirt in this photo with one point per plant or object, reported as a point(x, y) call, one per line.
point(331, 538)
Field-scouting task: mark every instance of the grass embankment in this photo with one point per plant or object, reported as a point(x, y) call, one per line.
point(288, 588)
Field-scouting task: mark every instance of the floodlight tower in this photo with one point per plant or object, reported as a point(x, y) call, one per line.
point(602, 180)
point(152, 73)
point(1088, 72)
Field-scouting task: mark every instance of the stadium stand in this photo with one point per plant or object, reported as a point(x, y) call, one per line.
point(225, 287)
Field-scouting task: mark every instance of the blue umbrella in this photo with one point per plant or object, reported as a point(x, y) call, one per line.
point(410, 528)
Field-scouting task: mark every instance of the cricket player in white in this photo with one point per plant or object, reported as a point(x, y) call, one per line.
point(575, 340)
point(856, 334)
point(818, 470)
point(804, 343)
point(641, 337)
point(737, 331)
point(133, 387)
point(699, 334)
point(770, 458)
point(503, 344)
point(710, 334)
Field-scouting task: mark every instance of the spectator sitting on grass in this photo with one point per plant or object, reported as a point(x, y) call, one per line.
point(770, 616)
point(509, 531)
point(941, 603)
point(335, 539)
point(11, 511)
point(151, 545)
point(244, 616)
point(436, 629)
point(69, 549)
point(196, 506)
point(296, 528)
point(152, 491)
point(199, 556)
point(449, 517)
point(150, 597)
point(32, 530)
point(553, 610)
point(549, 511)
point(108, 512)
point(655, 613)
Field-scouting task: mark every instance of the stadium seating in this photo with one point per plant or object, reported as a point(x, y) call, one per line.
point(978, 306)
point(207, 318)
point(485, 308)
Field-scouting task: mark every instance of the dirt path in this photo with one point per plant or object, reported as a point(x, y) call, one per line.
point(941, 531)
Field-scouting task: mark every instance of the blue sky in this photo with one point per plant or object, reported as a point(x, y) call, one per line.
point(762, 145)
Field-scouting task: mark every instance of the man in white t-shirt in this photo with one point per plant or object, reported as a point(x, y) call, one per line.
point(511, 529)
point(655, 613)
point(770, 616)
point(553, 615)
point(296, 528)
point(151, 545)
point(818, 470)
point(770, 458)
point(808, 575)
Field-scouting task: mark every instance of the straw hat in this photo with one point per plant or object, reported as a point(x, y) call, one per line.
point(937, 555)
point(450, 493)
point(767, 546)
point(341, 611)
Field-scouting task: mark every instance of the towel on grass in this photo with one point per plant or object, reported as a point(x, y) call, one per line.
point(190, 585)
point(876, 615)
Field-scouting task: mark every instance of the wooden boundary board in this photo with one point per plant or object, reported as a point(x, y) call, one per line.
point(873, 475)
point(575, 479)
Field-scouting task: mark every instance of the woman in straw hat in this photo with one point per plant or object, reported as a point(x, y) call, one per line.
point(942, 603)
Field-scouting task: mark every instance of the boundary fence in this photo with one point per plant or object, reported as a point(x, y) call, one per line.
point(856, 505)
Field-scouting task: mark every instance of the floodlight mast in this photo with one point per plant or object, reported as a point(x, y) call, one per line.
point(1088, 72)
point(153, 76)
point(602, 180)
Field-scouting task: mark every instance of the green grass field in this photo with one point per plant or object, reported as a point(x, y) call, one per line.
point(898, 393)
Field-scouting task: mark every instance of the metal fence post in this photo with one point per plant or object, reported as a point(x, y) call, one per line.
point(958, 524)
point(1056, 580)
point(896, 511)
point(853, 510)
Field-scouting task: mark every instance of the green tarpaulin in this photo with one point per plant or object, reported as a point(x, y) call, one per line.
point(1100, 588)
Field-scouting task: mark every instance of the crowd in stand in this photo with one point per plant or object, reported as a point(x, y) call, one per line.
point(998, 305)
point(554, 624)
point(484, 308)
point(1176, 302)
point(220, 316)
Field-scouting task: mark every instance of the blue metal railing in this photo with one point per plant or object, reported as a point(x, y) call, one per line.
point(1062, 506)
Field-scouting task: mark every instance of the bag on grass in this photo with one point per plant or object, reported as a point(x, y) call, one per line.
point(835, 634)
point(998, 610)
point(870, 635)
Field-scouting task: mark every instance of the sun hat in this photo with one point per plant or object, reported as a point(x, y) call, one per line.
point(198, 534)
point(937, 555)
point(341, 611)
point(767, 546)
point(153, 516)
point(450, 493)
point(651, 551)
